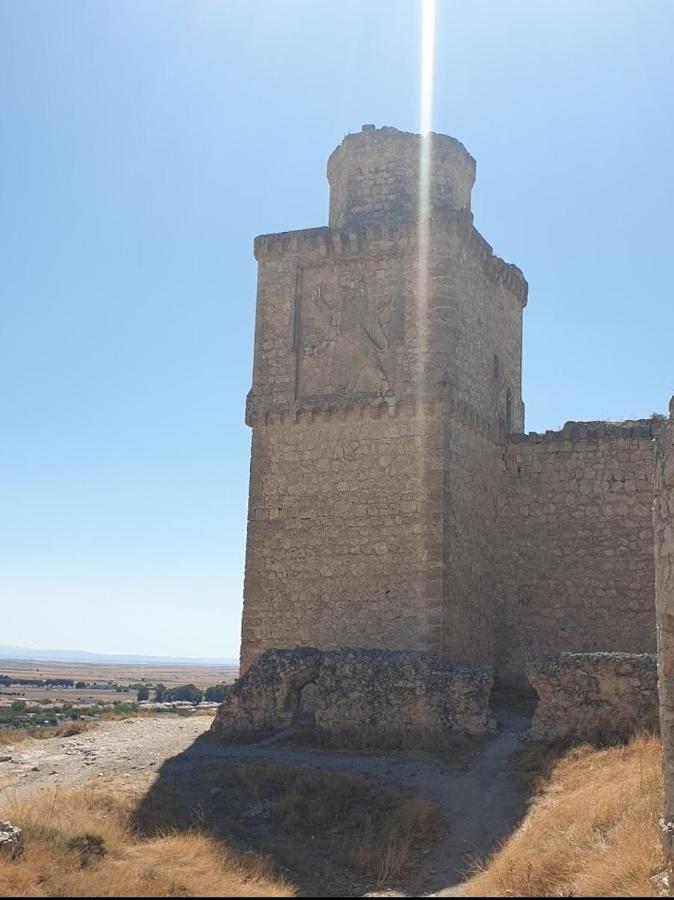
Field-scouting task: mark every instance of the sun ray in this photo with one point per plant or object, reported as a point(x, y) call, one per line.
point(426, 115)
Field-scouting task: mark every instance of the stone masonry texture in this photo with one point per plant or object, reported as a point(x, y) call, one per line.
point(575, 543)
point(663, 517)
point(395, 502)
point(377, 693)
point(594, 696)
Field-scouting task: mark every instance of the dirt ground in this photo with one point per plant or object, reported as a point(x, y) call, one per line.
point(478, 794)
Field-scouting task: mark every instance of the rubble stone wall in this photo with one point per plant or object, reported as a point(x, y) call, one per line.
point(594, 696)
point(341, 691)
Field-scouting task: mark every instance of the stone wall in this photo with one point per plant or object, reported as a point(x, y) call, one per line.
point(575, 545)
point(594, 696)
point(374, 177)
point(382, 693)
point(663, 516)
point(471, 473)
point(343, 538)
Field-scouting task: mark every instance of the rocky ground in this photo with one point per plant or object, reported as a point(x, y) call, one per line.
point(476, 793)
point(124, 748)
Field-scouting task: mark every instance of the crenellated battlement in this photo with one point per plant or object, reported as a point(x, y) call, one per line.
point(382, 175)
point(303, 413)
point(323, 242)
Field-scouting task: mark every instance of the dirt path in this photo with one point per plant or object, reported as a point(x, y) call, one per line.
point(478, 798)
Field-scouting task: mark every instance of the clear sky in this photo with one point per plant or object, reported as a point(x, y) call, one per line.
point(146, 142)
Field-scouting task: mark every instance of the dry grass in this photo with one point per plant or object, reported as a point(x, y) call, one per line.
point(333, 832)
point(81, 843)
point(372, 829)
point(590, 832)
point(11, 736)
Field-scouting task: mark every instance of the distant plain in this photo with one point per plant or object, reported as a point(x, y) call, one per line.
point(100, 677)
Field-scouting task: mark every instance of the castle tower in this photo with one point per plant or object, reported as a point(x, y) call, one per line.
point(387, 371)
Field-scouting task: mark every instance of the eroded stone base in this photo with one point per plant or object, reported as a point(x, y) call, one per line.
point(594, 696)
point(337, 691)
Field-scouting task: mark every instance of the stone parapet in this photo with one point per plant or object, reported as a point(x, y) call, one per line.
point(594, 696)
point(315, 411)
point(591, 431)
point(383, 174)
point(339, 691)
point(324, 242)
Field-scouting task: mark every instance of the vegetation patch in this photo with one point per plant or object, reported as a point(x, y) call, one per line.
point(591, 830)
point(81, 843)
point(334, 833)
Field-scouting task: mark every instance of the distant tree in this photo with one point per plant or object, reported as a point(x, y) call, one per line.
point(19, 706)
point(143, 693)
point(216, 693)
point(159, 693)
point(81, 685)
point(186, 692)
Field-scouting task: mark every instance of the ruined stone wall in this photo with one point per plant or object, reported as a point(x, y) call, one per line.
point(594, 696)
point(575, 547)
point(374, 694)
point(663, 517)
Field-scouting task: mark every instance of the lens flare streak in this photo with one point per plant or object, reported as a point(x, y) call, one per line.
point(426, 114)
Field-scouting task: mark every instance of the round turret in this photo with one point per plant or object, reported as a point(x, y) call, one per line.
point(374, 177)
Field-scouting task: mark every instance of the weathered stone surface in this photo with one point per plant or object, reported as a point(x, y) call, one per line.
point(575, 543)
point(663, 517)
point(594, 696)
point(377, 413)
point(11, 841)
point(341, 690)
point(394, 501)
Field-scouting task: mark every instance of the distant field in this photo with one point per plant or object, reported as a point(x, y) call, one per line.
point(99, 676)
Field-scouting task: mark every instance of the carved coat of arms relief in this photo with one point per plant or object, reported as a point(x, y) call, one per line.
point(347, 331)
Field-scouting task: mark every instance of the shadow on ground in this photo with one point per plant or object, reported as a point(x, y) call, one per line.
point(221, 790)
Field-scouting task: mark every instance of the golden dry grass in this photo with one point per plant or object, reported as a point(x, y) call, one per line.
point(590, 832)
point(80, 843)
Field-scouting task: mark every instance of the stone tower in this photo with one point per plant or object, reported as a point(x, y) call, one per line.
point(387, 370)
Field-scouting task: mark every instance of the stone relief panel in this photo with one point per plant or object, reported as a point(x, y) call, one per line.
point(348, 324)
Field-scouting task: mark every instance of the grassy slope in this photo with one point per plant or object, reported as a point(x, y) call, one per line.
point(591, 831)
point(80, 842)
point(89, 841)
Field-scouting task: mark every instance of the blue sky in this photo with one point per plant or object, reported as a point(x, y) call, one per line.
point(146, 142)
